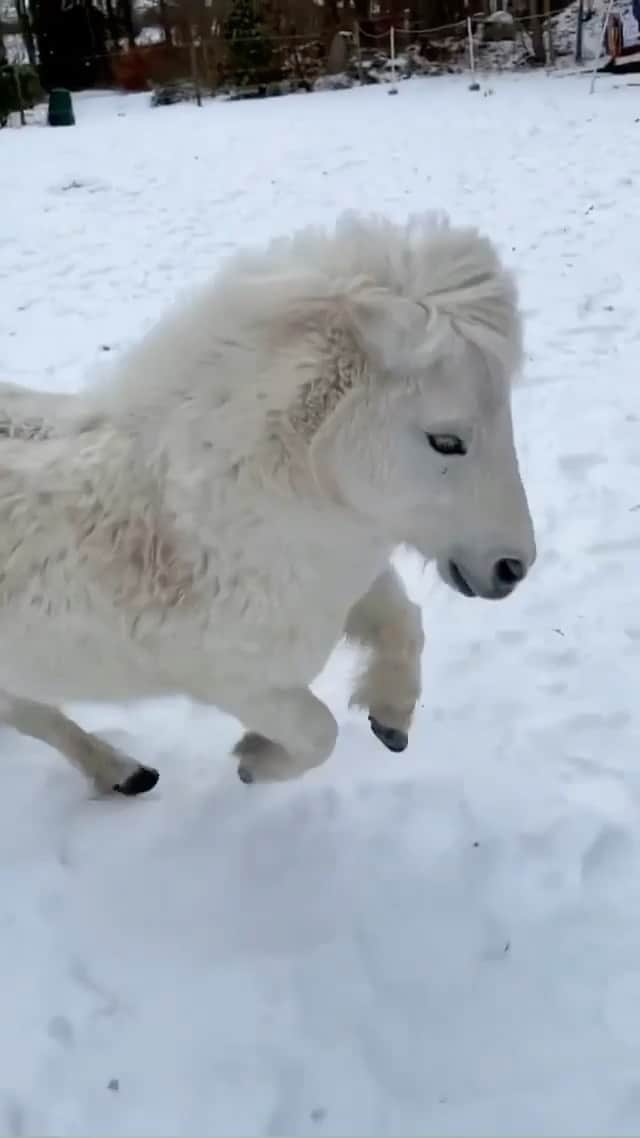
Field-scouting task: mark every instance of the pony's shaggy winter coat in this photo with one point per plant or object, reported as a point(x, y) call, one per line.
point(213, 518)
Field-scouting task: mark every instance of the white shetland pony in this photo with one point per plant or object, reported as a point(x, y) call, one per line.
point(217, 515)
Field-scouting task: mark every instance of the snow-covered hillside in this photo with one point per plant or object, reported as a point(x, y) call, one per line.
point(441, 943)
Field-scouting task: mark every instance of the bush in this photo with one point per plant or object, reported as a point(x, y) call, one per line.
point(30, 88)
point(179, 91)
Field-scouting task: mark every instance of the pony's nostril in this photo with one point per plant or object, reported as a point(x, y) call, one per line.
point(509, 570)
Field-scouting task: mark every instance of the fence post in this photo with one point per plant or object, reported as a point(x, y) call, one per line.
point(393, 90)
point(603, 34)
point(474, 85)
point(472, 58)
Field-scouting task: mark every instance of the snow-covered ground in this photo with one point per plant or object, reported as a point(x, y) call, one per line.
point(445, 942)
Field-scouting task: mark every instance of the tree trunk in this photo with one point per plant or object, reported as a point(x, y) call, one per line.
point(362, 10)
point(579, 24)
point(549, 27)
point(330, 21)
point(125, 12)
point(164, 20)
point(24, 19)
point(112, 25)
point(537, 33)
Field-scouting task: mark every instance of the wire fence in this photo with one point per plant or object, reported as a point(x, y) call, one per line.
point(459, 26)
point(268, 62)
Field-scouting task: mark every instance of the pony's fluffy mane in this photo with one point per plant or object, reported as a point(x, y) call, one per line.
point(452, 271)
point(285, 301)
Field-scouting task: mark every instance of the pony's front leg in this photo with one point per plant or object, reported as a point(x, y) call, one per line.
point(105, 766)
point(387, 623)
point(292, 732)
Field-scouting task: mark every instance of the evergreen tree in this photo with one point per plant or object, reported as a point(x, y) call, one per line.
point(248, 41)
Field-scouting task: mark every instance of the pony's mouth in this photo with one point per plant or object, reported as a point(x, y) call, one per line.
point(459, 581)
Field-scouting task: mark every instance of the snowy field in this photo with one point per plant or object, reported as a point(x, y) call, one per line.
point(445, 942)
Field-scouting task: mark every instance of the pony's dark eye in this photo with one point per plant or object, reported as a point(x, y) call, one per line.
point(447, 444)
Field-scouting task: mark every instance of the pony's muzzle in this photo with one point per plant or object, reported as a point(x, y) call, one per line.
point(504, 575)
point(508, 572)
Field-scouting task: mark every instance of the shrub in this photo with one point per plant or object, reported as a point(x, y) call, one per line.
point(30, 89)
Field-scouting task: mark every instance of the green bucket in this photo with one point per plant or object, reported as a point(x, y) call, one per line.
point(60, 108)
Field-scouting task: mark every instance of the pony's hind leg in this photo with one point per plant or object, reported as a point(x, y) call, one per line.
point(108, 768)
point(387, 623)
point(293, 732)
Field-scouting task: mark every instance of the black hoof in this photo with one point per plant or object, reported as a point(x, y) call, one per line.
point(245, 775)
point(392, 738)
point(142, 779)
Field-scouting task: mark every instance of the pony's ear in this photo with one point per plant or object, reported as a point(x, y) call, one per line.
point(395, 333)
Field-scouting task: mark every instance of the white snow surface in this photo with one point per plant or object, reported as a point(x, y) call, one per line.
point(445, 942)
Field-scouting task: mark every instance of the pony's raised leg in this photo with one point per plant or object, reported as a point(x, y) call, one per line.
point(387, 623)
point(108, 768)
point(293, 732)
